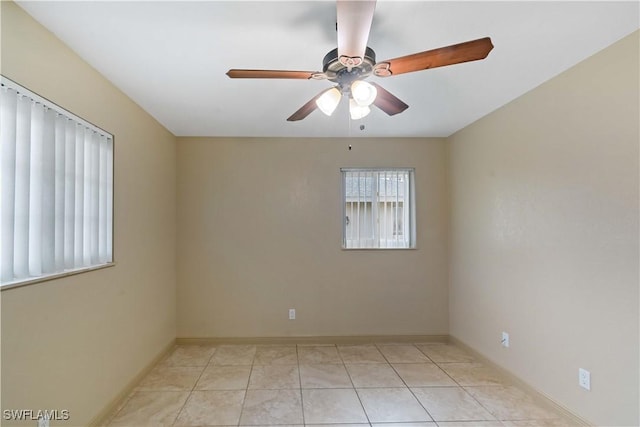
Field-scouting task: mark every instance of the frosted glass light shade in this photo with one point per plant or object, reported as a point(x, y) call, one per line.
point(358, 111)
point(363, 93)
point(329, 100)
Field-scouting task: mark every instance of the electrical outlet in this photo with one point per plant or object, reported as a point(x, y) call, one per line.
point(584, 379)
point(43, 422)
point(505, 339)
point(292, 314)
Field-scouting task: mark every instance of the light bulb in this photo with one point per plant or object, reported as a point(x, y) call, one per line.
point(358, 111)
point(363, 93)
point(329, 100)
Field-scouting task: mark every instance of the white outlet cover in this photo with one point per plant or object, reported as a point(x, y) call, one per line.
point(292, 314)
point(505, 339)
point(584, 379)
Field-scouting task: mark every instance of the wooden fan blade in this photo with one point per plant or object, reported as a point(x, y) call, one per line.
point(354, 23)
point(306, 109)
point(388, 102)
point(449, 55)
point(269, 74)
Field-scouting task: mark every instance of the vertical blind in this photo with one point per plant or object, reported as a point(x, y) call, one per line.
point(378, 208)
point(56, 189)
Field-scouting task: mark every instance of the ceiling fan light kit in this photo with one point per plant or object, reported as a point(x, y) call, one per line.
point(363, 93)
point(357, 111)
point(353, 61)
point(329, 100)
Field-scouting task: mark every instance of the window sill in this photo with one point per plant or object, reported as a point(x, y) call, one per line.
point(379, 249)
point(35, 280)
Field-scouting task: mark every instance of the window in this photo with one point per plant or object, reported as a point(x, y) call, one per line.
point(56, 189)
point(378, 208)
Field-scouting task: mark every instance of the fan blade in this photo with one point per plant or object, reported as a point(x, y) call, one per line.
point(388, 102)
point(354, 23)
point(306, 109)
point(269, 74)
point(449, 55)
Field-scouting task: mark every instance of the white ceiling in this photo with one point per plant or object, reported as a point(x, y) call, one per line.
point(171, 58)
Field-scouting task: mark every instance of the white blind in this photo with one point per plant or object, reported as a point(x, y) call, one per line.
point(56, 193)
point(378, 208)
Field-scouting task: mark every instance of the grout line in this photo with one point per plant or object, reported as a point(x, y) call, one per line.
point(355, 390)
point(246, 390)
point(108, 418)
point(405, 383)
point(175, 420)
point(344, 365)
point(343, 362)
point(300, 381)
point(463, 387)
point(124, 403)
point(458, 385)
point(470, 395)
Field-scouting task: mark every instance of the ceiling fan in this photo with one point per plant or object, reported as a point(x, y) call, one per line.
point(353, 61)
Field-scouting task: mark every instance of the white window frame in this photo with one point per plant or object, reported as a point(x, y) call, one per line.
point(58, 252)
point(380, 240)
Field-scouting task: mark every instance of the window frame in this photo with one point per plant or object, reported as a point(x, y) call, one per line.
point(17, 283)
point(411, 211)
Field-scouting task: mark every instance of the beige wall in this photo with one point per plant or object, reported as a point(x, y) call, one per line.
point(259, 226)
point(544, 240)
point(75, 343)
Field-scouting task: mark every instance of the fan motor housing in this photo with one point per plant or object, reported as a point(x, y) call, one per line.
point(344, 76)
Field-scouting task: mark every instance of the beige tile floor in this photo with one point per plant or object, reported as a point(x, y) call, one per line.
point(382, 385)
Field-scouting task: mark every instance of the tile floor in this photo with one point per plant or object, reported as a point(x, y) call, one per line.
point(392, 385)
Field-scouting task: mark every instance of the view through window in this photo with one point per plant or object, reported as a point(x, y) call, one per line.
point(378, 208)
